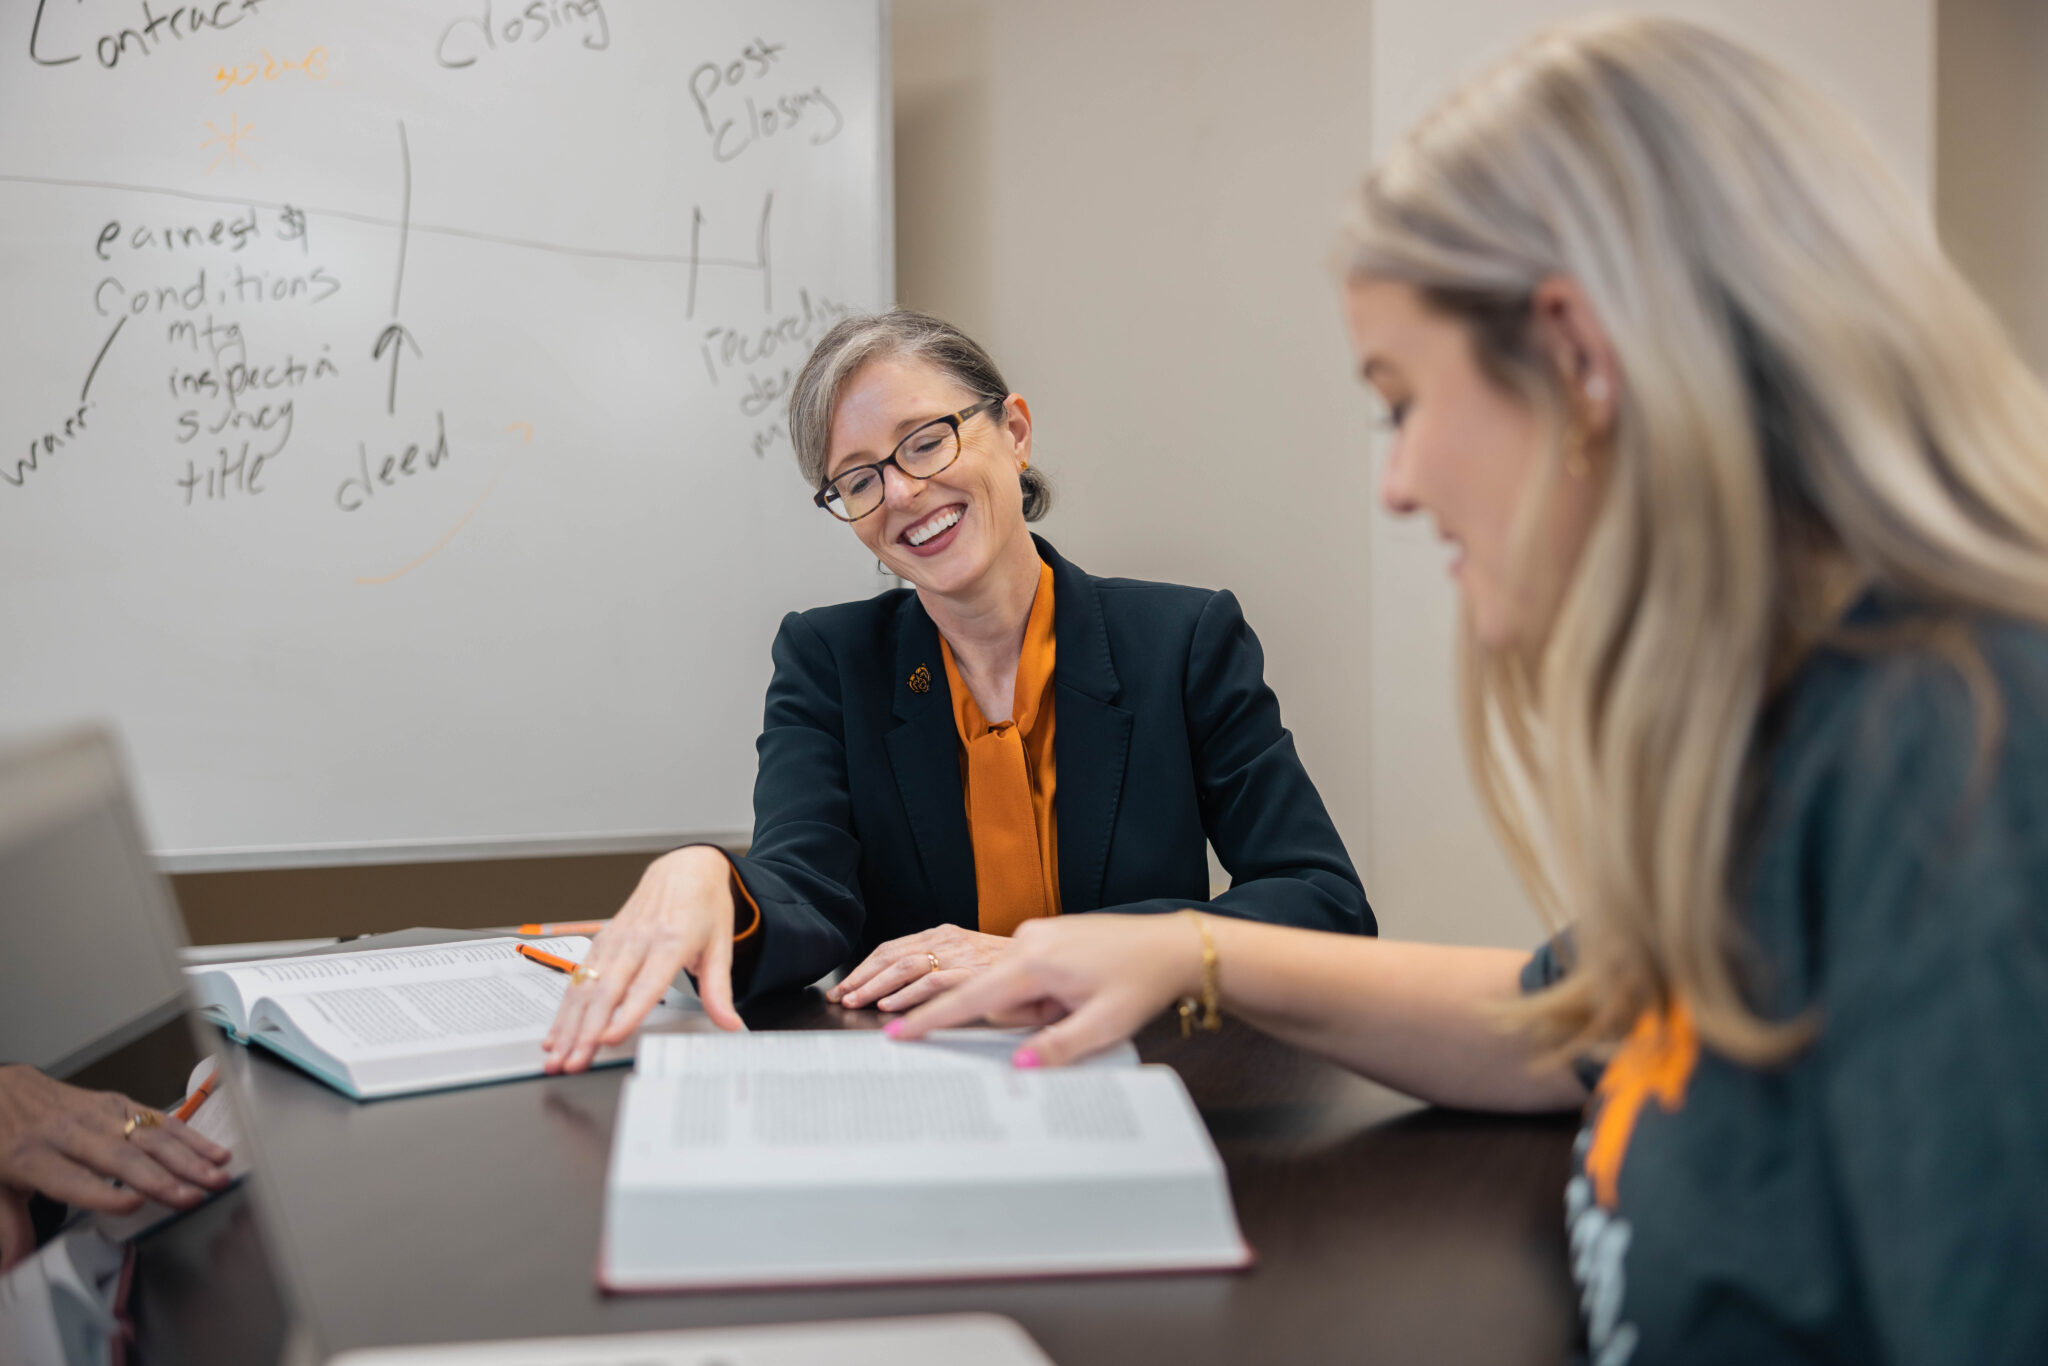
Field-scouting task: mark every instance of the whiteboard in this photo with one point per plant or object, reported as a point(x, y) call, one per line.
point(390, 410)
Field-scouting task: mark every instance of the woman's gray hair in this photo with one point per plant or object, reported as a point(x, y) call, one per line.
point(899, 334)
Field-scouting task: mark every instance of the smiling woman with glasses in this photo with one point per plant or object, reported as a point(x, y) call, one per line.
point(1009, 738)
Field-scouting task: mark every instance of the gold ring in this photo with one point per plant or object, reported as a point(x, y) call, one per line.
point(935, 961)
point(582, 975)
point(141, 1119)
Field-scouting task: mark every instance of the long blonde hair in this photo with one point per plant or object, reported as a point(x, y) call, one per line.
point(1807, 384)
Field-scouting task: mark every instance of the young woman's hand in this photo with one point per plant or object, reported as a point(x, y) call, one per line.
point(680, 916)
point(1091, 981)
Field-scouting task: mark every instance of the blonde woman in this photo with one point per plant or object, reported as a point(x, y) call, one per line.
point(1749, 497)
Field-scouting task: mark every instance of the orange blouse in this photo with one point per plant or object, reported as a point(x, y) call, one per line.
point(1008, 775)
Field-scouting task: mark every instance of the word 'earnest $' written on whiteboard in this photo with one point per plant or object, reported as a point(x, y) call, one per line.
point(391, 434)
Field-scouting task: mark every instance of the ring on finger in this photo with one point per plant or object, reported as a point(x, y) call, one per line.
point(935, 961)
point(141, 1119)
point(583, 974)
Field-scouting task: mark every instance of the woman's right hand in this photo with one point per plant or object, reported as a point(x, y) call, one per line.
point(1090, 981)
point(71, 1144)
point(680, 916)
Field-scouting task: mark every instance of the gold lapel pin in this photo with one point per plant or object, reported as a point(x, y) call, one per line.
point(921, 681)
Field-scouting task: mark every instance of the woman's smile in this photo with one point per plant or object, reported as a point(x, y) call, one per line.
point(932, 533)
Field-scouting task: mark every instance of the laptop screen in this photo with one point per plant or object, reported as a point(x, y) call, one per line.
point(91, 991)
point(89, 959)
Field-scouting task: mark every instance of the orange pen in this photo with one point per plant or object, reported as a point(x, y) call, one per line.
point(566, 927)
point(190, 1106)
point(546, 959)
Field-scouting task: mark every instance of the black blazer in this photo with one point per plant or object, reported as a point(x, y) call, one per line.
point(1167, 736)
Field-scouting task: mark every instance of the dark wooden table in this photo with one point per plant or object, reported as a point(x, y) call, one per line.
point(1384, 1231)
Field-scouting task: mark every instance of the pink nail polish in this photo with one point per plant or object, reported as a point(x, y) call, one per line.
point(893, 1028)
point(1024, 1057)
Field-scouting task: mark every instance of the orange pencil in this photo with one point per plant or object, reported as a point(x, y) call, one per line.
point(566, 927)
point(546, 959)
point(190, 1106)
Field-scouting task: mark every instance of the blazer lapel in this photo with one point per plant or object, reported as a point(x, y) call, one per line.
point(1091, 737)
point(924, 750)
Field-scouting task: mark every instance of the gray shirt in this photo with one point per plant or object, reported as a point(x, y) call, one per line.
point(1883, 1196)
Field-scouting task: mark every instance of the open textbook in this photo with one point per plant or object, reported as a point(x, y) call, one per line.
point(794, 1158)
point(390, 1022)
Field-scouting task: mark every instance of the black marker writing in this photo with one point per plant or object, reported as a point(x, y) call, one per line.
point(469, 38)
point(49, 443)
point(149, 32)
point(359, 488)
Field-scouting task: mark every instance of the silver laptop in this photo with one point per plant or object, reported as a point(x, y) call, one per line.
point(89, 935)
point(92, 992)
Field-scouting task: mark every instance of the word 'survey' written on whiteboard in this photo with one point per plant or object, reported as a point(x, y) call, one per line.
point(391, 405)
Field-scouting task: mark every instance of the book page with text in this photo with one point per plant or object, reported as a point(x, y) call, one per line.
point(397, 1002)
point(812, 1050)
point(792, 1109)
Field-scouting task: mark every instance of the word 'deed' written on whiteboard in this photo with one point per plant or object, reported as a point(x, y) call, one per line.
point(391, 411)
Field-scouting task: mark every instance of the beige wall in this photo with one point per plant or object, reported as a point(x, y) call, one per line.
point(1991, 176)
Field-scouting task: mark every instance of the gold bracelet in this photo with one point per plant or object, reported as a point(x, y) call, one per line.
point(1208, 1002)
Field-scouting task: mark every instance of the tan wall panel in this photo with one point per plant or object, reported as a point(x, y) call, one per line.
point(302, 903)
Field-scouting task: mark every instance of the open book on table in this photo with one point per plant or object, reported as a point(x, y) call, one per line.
point(390, 1022)
point(794, 1158)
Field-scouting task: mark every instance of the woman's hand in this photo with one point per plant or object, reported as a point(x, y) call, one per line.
point(67, 1143)
point(1091, 980)
point(904, 972)
point(680, 916)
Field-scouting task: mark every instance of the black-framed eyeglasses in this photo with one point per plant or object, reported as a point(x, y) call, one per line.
point(852, 494)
